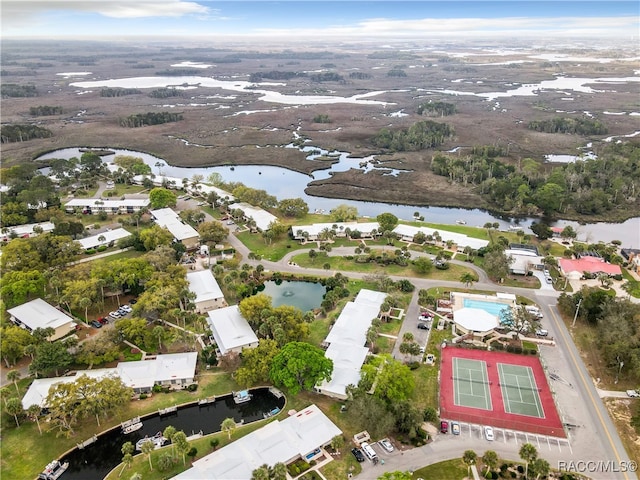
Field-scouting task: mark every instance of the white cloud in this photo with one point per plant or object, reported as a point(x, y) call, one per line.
point(24, 10)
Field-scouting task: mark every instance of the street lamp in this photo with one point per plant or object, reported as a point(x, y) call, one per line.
point(575, 317)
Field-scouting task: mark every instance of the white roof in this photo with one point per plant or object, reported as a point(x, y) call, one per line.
point(230, 329)
point(278, 441)
point(144, 373)
point(206, 189)
point(506, 296)
point(109, 236)
point(458, 238)
point(262, 218)
point(204, 285)
point(158, 180)
point(39, 388)
point(315, 228)
point(22, 230)
point(347, 362)
point(475, 319)
point(347, 340)
point(39, 314)
point(99, 202)
point(167, 218)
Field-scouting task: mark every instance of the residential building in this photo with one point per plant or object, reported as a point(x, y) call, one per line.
point(39, 314)
point(346, 342)
point(303, 435)
point(589, 264)
point(208, 293)
point(313, 231)
point(26, 231)
point(524, 261)
point(262, 218)
point(182, 232)
point(104, 238)
point(92, 206)
point(407, 232)
point(231, 330)
point(174, 370)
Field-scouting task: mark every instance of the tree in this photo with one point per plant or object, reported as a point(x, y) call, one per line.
point(337, 442)
point(33, 412)
point(300, 366)
point(260, 473)
point(161, 197)
point(14, 376)
point(370, 411)
point(423, 265)
point(312, 255)
point(168, 433)
point(387, 221)
point(409, 348)
point(182, 444)
point(51, 357)
point(97, 351)
point(13, 407)
point(540, 468)
point(395, 381)
point(256, 363)
point(469, 458)
point(528, 453)
point(14, 341)
point(212, 232)
point(214, 442)
point(229, 426)
point(541, 230)
point(344, 213)
point(127, 455)
point(496, 264)
point(151, 238)
point(549, 197)
point(293, 207)
point(159, 334)
point(147, 448)
point(279, 471)
point(468, 279)
point(490, 460)
point(397, 475)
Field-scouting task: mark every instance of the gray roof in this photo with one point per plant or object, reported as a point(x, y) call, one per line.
point(204, 285)
point(230, 329)
point(278, 441)
point(39, 314)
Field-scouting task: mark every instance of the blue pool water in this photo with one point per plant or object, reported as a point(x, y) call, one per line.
point(492, 307)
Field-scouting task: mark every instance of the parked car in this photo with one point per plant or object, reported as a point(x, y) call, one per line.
point(386, 444)
point(230, 222)
point(96, 324)
point(444, 427)
point(358, 454)
point(115, 315)
point(633, 393)
point(488, 433)
point(423, 326)
point(455, 428)
point(542, 333)
point(103, 320)
point(133, 301)
point(126, 308)
point(549, 279)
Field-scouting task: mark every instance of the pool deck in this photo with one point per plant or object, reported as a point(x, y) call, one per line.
point(458, 298)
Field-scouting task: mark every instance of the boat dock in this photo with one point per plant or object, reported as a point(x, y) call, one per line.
point(207, 401)
point(276, 393)
point(168, 410)
point(194, 436)
point(87, 442)
point(128, 423)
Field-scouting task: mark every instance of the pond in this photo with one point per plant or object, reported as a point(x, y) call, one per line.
point(98, 459)
point(284, 183)
point(303, 295)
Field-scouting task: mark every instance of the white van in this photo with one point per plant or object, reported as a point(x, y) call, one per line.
point(368, 451)
point(535, 311)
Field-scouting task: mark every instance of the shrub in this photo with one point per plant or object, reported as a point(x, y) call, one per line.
point(157, 388)
point(90, 251)
point(143, 396)
point(101, 248)
point(413, 365)
point(193, 387)
point(520, 469)
point(430, 414)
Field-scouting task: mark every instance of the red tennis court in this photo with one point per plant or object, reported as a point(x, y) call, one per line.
point(500, 389)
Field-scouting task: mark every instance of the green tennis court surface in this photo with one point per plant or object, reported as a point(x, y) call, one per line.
point(519, 390)
point(471, 383)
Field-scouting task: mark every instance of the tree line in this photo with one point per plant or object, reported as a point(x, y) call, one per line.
point(22, 133)
point(165, 93)
point(149, 118)
point(360, 76)
point(587, 187)
point(436, 108)
point(43, 110)
point(579, 126)
point(118, 92)
point(419, 136)
point(15, 90)
point(275, 75)
point(326, 77)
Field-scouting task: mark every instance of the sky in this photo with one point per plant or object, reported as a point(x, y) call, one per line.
point(299, 19)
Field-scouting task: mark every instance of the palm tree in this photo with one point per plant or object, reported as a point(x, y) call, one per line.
point(490, 459)
point(540, 467)
point(408, 337)
point(14, 376)
point(14, 407)
point(469, 458)
point(33, 412)
point(468, 279)
point(170, 431)
point(260, 473)
point(158, 333)
point(85, 302)
point(528, 453)
point(147, 448)
point(279, 471)
point(228, 425)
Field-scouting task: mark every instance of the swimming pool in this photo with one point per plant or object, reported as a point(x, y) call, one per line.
point(493, 308)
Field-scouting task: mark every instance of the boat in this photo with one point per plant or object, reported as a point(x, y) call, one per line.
point(132, 427)
point(158, 441)
point(53, 470)
point(270, 414)
point(243, 396)
point(461, 222)
point(515, 228)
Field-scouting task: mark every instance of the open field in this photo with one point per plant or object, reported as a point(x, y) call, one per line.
point(220, 127)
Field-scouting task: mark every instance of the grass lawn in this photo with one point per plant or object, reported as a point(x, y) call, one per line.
point(634, 284)
point(391, 328)
point(384, 345)
point(116, 256)
point(273, 252)
point(448, 470)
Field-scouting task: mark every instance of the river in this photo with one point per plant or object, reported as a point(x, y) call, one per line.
point(284, 183)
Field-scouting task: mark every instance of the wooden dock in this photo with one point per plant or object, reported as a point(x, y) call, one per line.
point(130, 422)
point(87, 442)
point(168, 410)
point(206, 401)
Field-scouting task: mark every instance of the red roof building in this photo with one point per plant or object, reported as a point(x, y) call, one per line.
point(588, 264)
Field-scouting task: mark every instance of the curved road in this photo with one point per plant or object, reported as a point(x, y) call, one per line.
point(591, 432)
